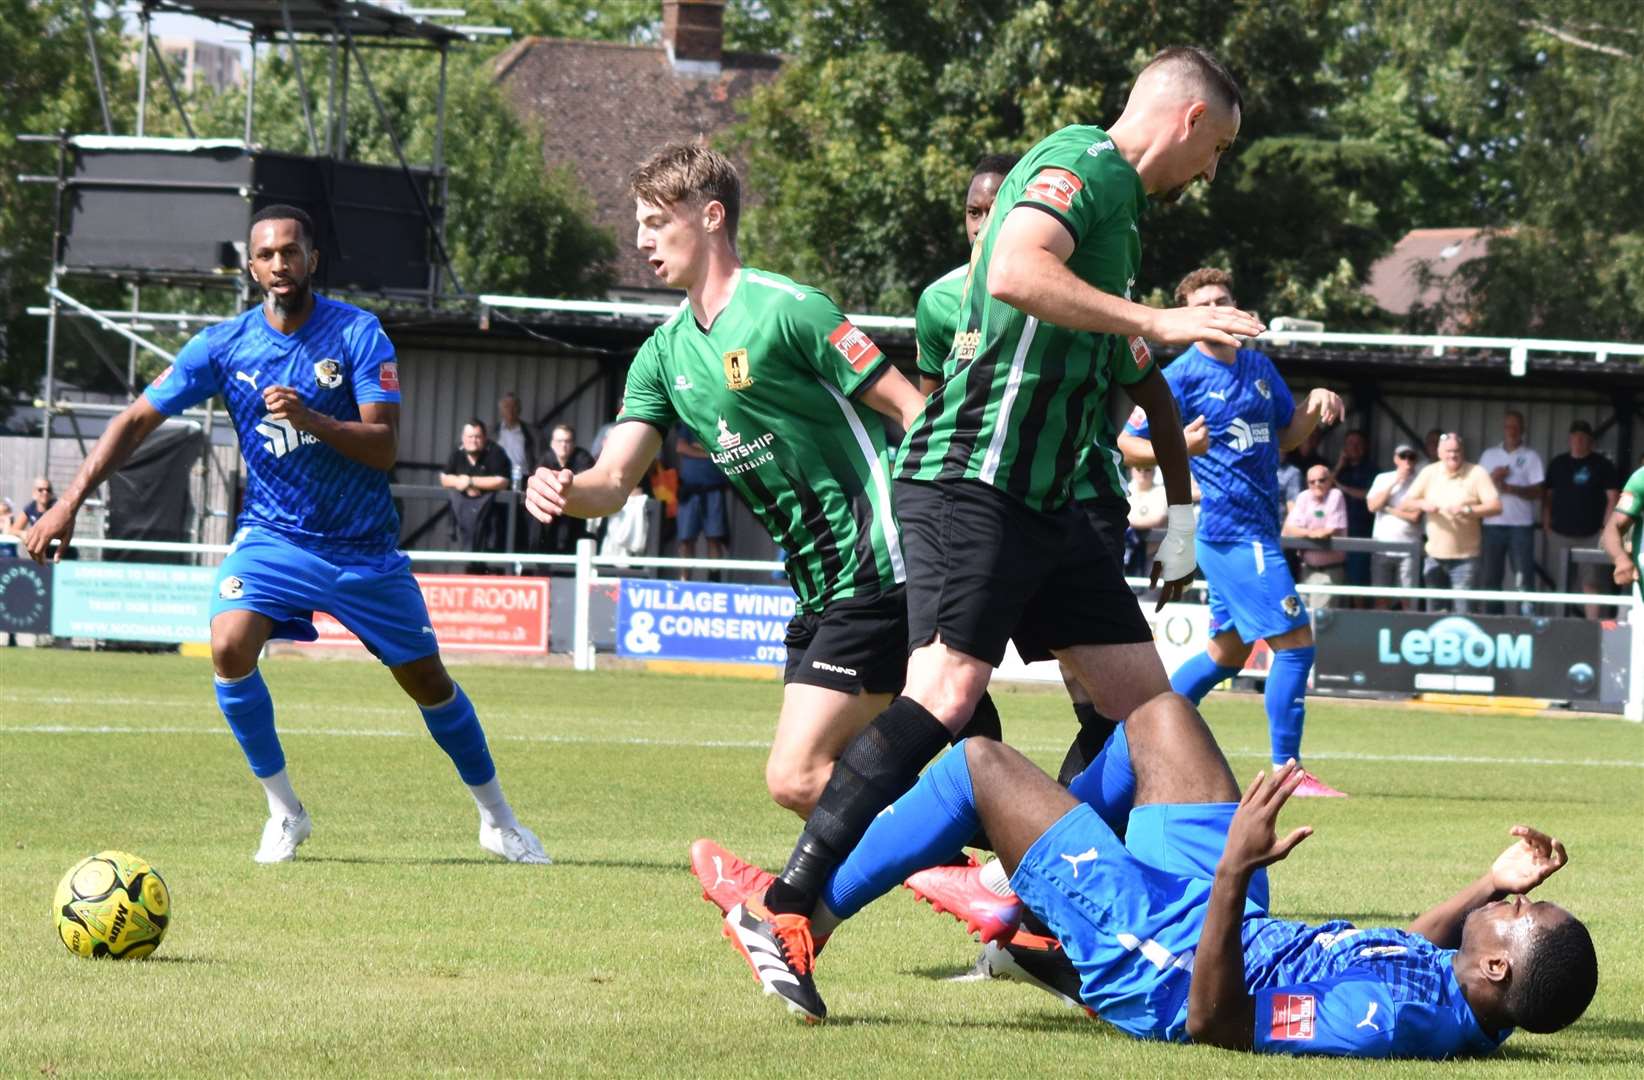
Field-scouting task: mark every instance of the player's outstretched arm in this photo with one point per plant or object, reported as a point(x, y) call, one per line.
point(1028, 270)
point(892, 395)
point(1176, 560)
point(1616, 528)
point(124, 434)
point(629, 449)
point(373, 440)
point(1530, 859)
point(1322, 407)
point(1219, 1010)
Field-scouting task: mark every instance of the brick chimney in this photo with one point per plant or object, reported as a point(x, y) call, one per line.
point(693, 32)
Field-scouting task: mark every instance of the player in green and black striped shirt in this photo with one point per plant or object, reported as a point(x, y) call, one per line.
point(985, 475)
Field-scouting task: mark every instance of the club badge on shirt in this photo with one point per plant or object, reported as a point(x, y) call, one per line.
point(737, 374)
point(328, 373)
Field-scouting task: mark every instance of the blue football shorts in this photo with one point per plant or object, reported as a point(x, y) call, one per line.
point(1129, 925)
point(374, 596)
point(1251, 589)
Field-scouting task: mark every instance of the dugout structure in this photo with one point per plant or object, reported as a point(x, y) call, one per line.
point(142, 211)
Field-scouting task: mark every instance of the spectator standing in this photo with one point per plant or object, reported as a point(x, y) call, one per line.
point(701, 500)
point(516, 438)
point(1516, 470)
point(1430, 444)
point(1582, 490)
point(1307, 455)
point(476, 471)
point(1396, 523)
point(42, 498)
point(561, 536)
point(1456, 495)
point(1320, 512)
point(1354, 473)
point(1149, 509)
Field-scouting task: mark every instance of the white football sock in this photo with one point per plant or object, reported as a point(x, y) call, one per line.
point(995, 880)
point(282, 799)
point(493, 807)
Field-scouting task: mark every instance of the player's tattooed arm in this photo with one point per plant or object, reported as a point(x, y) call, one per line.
point(1530, 859)
point(373, 440)
point(1322, 407)
point(1220, 1012)
point(124, 434)
point(1028, 270)
point(629, 449)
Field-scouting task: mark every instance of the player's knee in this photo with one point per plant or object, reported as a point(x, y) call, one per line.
point(233, 659)
point(795, 787)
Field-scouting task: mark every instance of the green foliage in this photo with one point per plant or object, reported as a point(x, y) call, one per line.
point(46, 85)
point(1362, 120)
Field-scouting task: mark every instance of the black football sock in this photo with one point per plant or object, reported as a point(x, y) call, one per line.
point(984, 722)
point(1094, 730)
point(876, 769)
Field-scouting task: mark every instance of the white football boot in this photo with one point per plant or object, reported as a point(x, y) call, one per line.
point(517, 844)
point(281, 835)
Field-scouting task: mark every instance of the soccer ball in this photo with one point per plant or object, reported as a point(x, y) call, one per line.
point(112, 904)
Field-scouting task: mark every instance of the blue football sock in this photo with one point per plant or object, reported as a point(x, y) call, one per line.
point(1287, 701)
point(1109, 784)
point(1196, 678)
point(457, 729)
point(925, 827)
point(250, 715)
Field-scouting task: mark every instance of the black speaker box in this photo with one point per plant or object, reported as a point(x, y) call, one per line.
point(179, 209)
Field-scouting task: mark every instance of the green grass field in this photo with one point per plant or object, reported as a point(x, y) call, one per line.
point(394, 946)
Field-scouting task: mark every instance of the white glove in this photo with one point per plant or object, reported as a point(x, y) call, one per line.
point(1175, 556)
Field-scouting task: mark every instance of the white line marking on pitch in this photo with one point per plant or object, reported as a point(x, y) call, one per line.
point(758, 744)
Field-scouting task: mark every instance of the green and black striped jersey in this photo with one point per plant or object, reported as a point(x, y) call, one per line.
point(1025, 400)
point(769, 391)
point(936, 320)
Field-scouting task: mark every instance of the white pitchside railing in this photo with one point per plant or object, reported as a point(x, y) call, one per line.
point(587, 567)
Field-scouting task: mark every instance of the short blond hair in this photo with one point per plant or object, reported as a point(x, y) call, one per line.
point(689, 172)
point(1198, 279)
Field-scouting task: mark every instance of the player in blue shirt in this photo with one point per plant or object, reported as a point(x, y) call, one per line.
point(1162, 934)
point(313, 389)
point(1249, 419)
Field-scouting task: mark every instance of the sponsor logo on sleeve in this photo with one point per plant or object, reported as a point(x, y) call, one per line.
point(855, 346)
point(1054, 187)
point(1138, 417)
point(388, 376)
point(160, 380)
point(1627, 505)
point(1140, 353)
point(1292, 1017)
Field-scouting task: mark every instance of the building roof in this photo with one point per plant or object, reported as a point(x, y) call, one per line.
point(322, 17)
point(604, 107)
point(1395, 279)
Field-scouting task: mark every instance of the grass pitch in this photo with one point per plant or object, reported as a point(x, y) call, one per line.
point(394, 946)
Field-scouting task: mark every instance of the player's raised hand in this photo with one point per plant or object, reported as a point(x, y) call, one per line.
point(1217, 325)
point(1197, 436)
point(284, 403)
point(545, 493)
point(1327, 404)
point(1252, 836)
point(55, 524)
point(1531, 859)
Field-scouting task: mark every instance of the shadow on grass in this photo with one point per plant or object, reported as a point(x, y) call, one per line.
point(1561, 799)
point(172, 958)
point(483, 860)
point(1044, 1023)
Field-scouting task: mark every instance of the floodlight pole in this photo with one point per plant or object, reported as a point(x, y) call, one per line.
point(142, 74)
point(439, 175)
point(250, 87)
point(302, 83)
point(171, 87)
point(331, 104)
point(97, 67)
